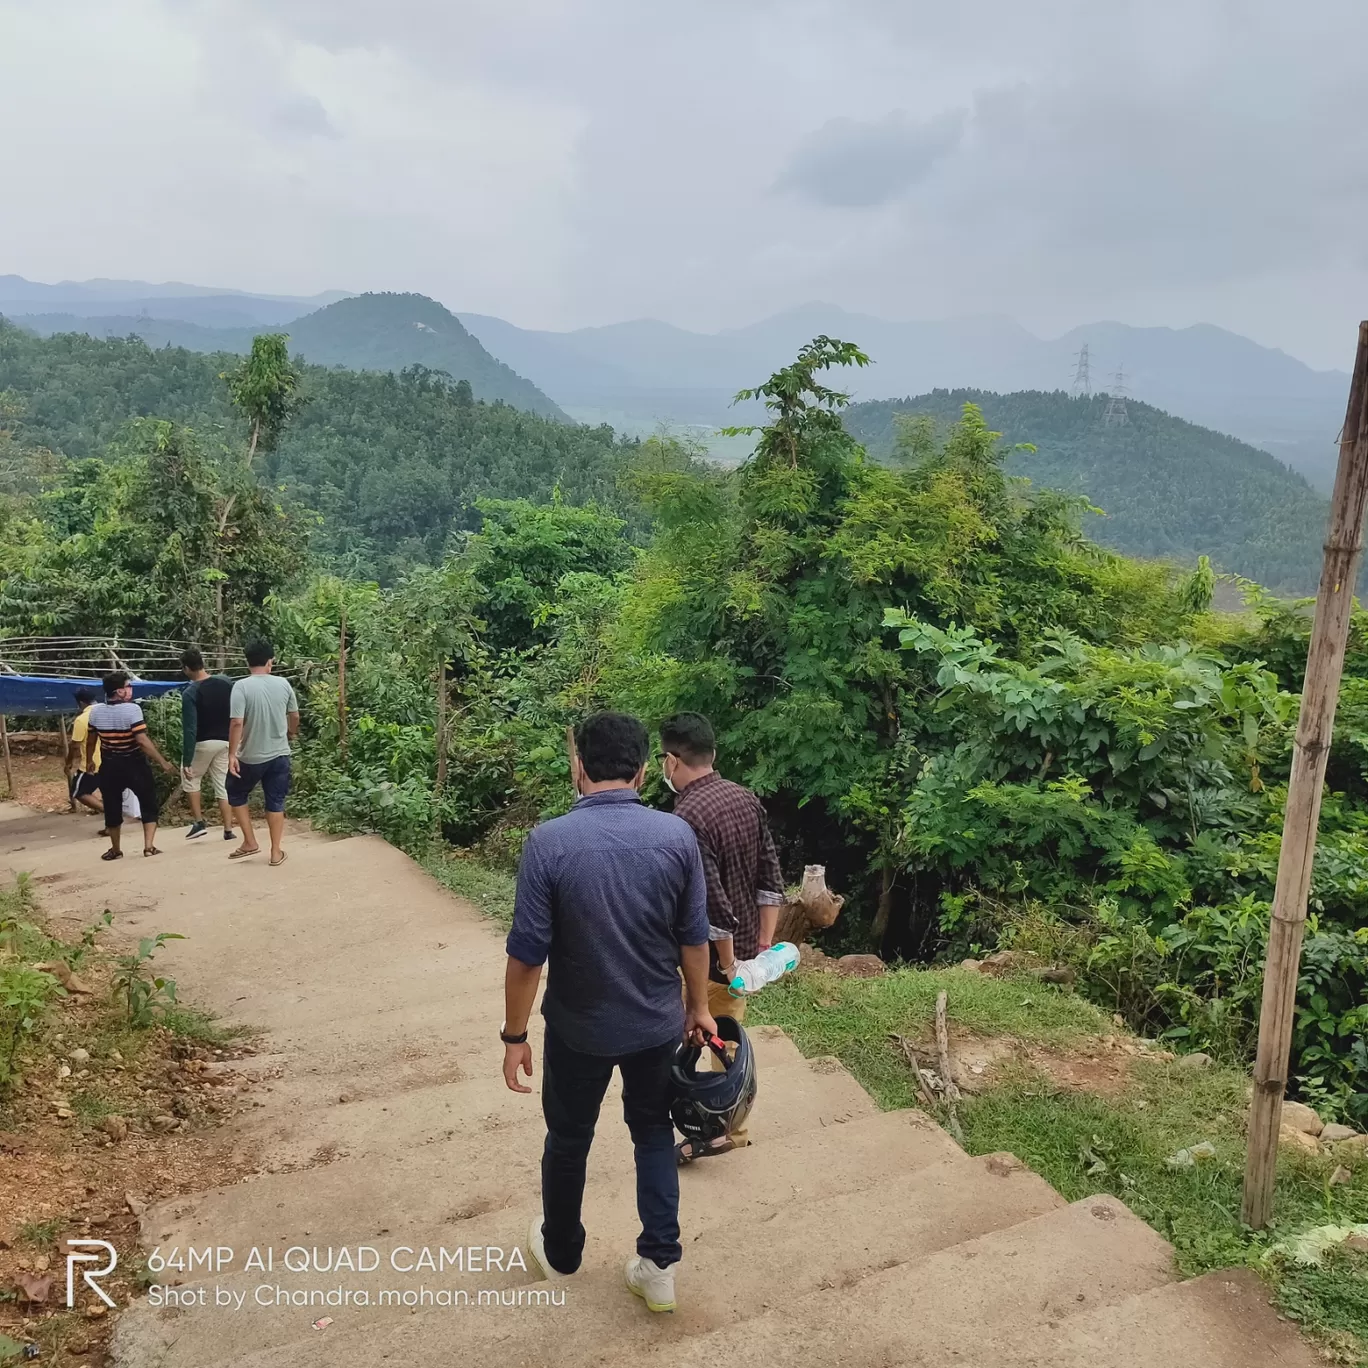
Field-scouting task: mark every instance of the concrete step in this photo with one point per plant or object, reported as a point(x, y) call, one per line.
point(1221, 1320)
point(481, 1110)
point(923, 1311)
point(359, 1199)
point(951, 1306)
point(734, 1246)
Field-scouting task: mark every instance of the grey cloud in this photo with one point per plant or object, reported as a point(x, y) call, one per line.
point(566, 162)
point(303, 115)
point(850, 164)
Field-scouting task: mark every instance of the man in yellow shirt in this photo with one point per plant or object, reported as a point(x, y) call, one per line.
point(83, 785)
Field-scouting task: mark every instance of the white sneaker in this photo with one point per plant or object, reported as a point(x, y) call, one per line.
point(536, 1247)
point(653, 1284)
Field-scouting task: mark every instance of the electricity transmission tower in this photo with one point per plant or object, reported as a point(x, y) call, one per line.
point(1082, 378)
point(1115, 414)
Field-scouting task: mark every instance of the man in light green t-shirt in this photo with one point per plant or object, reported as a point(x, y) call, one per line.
point(263, 715)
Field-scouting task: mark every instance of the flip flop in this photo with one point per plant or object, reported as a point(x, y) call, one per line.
point(243, 854)
point(281, 861)
point(152, 850)
point(689, 1152)
point(112, 855)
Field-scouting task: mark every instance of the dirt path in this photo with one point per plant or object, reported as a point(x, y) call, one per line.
point(392, 1177)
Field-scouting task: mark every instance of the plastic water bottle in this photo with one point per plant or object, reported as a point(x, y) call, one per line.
point(752, 975)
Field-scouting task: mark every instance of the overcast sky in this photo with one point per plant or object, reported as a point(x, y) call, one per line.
point(570, 162)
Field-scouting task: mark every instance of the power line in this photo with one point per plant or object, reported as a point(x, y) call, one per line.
point(1082, 377)
point(1115, 415)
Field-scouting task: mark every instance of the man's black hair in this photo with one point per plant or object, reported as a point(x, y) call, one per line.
point(611, 745)
point(84, 697)
point(260, 652)
point(690, 736)
point(192, 659)
point(114, 682)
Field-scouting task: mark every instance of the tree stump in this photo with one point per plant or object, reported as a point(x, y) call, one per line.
point(814, 909)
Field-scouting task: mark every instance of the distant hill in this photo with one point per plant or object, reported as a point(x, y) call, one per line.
point(1167, 488)
point(208, 306)
point(392, 463)
point(362, 332)
point(654, 371)
point(644, 372)
point(391, 331)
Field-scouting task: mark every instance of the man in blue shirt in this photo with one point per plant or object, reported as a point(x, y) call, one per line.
point(613, 895)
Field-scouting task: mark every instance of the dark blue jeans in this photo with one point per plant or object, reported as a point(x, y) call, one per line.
point(573, 1085)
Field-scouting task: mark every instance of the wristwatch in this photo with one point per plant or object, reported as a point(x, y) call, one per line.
point(519, 1039)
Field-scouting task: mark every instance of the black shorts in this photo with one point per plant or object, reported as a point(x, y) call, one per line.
point(119, 772)
point(82, 783)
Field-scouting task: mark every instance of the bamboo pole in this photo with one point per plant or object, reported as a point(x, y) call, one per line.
point(342, 688)
point(1315, 725)
point(9, 771)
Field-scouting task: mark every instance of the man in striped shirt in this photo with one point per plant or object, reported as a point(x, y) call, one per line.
point(117, 726)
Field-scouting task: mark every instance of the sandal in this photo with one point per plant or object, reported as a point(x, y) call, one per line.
point(112, 855)
point(690, 1150)
point(151, 850)
point(281, 861)
point(241, 854)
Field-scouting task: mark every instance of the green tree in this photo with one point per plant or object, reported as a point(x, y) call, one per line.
point(762, 603)
point(135, 546)
point(265, 390)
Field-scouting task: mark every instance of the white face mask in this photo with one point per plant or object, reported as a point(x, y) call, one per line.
point(669, 783)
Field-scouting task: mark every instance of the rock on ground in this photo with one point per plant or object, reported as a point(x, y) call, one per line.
point(1299, 1117)
point(1299, 1139)
point(1334, 1133)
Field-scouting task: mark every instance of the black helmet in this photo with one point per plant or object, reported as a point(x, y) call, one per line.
point(706, 1106)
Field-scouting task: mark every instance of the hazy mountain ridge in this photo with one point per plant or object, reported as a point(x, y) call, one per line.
point(384, 332)
point(207, 306)
point(643, 372)
point(1203, 373)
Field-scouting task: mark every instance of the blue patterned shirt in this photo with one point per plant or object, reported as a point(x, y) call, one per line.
point(607, 894)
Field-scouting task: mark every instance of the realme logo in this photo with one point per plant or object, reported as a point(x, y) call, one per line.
point(89, 1275)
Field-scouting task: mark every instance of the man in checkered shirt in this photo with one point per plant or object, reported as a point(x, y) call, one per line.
point(740, 867)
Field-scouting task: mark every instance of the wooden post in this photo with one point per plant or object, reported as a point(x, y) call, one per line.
point(9, 772)
point(947, 1069)
point(1315, 725)
point(342, 688)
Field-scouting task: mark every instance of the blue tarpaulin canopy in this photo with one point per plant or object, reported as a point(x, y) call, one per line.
point(46, 695)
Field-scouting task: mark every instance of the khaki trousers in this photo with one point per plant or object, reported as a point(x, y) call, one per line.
point(721, 1003)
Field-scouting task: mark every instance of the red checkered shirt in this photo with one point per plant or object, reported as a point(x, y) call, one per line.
point(740, 864)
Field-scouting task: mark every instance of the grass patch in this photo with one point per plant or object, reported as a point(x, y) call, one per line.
point(852, 1018)
point(38, 1234)
point(491, 890)
point(90, 1108)
point(1334, 1300)
point(19, 936)
point(204, 1028)
point(1084, 1144)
